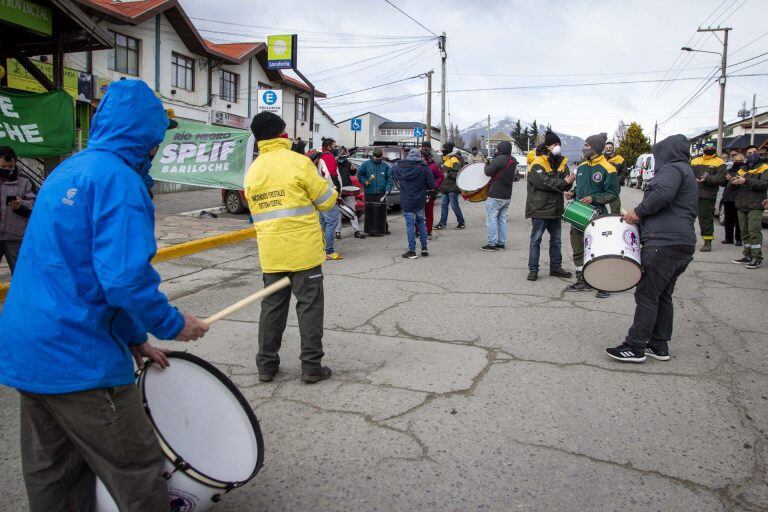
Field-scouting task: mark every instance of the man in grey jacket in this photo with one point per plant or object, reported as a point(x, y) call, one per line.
point(666, 218)
point(17, 196)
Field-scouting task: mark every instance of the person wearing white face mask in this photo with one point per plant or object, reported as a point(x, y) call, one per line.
point(548, 179)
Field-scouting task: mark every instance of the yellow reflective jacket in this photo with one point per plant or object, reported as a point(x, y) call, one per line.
point(284, 192)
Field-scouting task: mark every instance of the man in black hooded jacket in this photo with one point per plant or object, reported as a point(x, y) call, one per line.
point(666, 218)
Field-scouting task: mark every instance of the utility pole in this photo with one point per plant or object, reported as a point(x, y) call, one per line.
point(655, 131)
point(723, 68)
point(754, 113)
point(429, 107)
point(489, 136)
point(441, 44)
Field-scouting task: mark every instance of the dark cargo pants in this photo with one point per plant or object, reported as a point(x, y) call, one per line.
point(751, 223)
point(10, 249)
point(307, 286)
point(68, 439)
point(707, 217)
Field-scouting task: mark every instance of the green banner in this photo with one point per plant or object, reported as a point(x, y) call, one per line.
point(38, 18)
point(37, 125)
point(204, 155)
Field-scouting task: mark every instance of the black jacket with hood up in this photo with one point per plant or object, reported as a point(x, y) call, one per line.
point(502, 172)
point(670, 203)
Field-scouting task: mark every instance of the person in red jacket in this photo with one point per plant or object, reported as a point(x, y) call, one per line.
point(426, 154)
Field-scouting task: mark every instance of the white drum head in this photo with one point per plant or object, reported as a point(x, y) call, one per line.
point(612, 273)
point(350, 188)
point(203, 418)
point(472, 178)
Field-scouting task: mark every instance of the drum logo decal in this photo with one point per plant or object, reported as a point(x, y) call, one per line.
point(182, 503)
point(597, 177)
point(630, 238)
point(587, 242)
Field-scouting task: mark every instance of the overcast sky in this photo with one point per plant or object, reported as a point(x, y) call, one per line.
point(516, 43)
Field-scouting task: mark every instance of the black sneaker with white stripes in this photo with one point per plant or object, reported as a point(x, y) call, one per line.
point(626, 353)
point(659, 353)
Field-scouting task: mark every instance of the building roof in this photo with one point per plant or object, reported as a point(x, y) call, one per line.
point(501, 137)
point(360, 115)
point(743, 141)
point(760, 118)
point(237, 51)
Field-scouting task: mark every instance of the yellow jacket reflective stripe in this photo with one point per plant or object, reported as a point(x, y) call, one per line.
point(284, 192)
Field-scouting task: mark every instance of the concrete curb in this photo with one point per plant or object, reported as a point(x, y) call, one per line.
point(183, 249)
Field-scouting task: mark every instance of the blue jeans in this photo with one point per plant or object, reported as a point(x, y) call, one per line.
point(453, 198)
point(411, 219)
point(496, 220)
point(555, 254)
point(328, 221)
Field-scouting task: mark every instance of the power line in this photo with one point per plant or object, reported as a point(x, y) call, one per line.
point(412, 18)
point(374, 87)
point(737, 50)
point(400, 52)
point(693, 98)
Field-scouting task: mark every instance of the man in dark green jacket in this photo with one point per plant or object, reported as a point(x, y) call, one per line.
point(548, 179)
point(597, 184)
point(709, 171)
point(751, 183)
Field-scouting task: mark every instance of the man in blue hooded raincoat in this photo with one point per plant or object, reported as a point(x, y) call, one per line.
point(82, 300)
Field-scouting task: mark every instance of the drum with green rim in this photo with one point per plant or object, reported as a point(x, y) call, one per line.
point(579, 214)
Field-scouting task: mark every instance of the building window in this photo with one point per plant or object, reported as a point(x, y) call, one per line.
point(183, 72)
point(301, 108)
point(317, 128)
point(228, 86)
point(124, 57)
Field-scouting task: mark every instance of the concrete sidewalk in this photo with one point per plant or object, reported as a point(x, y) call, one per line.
point(458, 385)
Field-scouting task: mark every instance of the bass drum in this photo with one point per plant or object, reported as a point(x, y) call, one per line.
point(473, 182)
point(612, 254)
point(207, 430)
point(375, 219)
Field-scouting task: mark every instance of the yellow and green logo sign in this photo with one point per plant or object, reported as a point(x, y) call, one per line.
point(281, 51)
point(24, 13)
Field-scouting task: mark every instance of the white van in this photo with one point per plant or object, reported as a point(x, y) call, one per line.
point(647, 165)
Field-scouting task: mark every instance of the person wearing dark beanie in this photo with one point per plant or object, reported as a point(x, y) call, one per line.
point(551, 138)
point(285, 192)
point(597, 184)
point(266, 125)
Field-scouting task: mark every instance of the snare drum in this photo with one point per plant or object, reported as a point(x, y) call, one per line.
point(350, 190)
point(612, 254)
point(578, 214)
point(346, 212)
point(473, 182)
point(207, 430)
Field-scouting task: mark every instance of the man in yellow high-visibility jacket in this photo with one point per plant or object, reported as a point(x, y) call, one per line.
point(284, 193)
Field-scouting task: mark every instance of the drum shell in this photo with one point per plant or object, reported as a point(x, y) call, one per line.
point(472, 180)
point(612, 261)
point(578, 214)
point(375, 218)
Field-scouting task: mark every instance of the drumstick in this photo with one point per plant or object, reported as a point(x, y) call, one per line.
point(269, 290)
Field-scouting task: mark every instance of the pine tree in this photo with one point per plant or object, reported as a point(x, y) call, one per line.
point(634, 144)
point(534, 134)
point(475, 141)
point(520, 136)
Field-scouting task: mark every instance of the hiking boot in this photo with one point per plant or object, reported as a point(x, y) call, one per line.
point(268, 376)
point(707, 247)
point(460, 225)
point(602, 295)
point(489, 248)
point(360, 235)
point(334, 256)
point(500, 247)
point(411, 255)
point(439, 226)
point(745, 259)
point(579, 286)
point(533, 275)
point(322, 374)
point(558, 272)
point(754, 264)
point(658, 353)
point(626, 353)
point(425, 252)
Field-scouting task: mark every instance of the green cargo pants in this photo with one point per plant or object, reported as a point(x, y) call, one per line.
point(577, 245)
point(707, 217)
point(751, 224)
point(615, 205)
point(307, 286)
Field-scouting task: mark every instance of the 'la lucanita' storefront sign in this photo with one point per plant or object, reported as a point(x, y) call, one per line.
point(37, 125)
point(203, 155)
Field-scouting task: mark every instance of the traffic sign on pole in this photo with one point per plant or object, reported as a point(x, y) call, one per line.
point(356, 124)
point(418, 132)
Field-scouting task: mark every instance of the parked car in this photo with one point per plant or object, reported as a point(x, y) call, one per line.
point(634, 174)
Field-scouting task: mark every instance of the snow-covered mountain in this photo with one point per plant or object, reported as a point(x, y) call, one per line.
point(572, 145)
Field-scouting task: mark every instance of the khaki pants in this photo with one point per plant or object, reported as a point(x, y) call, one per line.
point(69, 439)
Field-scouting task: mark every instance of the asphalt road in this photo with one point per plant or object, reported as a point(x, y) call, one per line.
point(461, 386)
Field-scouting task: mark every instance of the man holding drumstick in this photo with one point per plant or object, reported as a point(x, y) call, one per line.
point(666, 217)
point(83, 297)
point(284, 193)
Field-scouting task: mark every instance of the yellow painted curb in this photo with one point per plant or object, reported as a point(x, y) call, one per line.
point(185, 249)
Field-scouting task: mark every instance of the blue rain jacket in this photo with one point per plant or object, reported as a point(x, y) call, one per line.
point(84, 289)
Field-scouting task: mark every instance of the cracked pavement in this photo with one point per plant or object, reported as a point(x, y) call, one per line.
point(459, 385)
